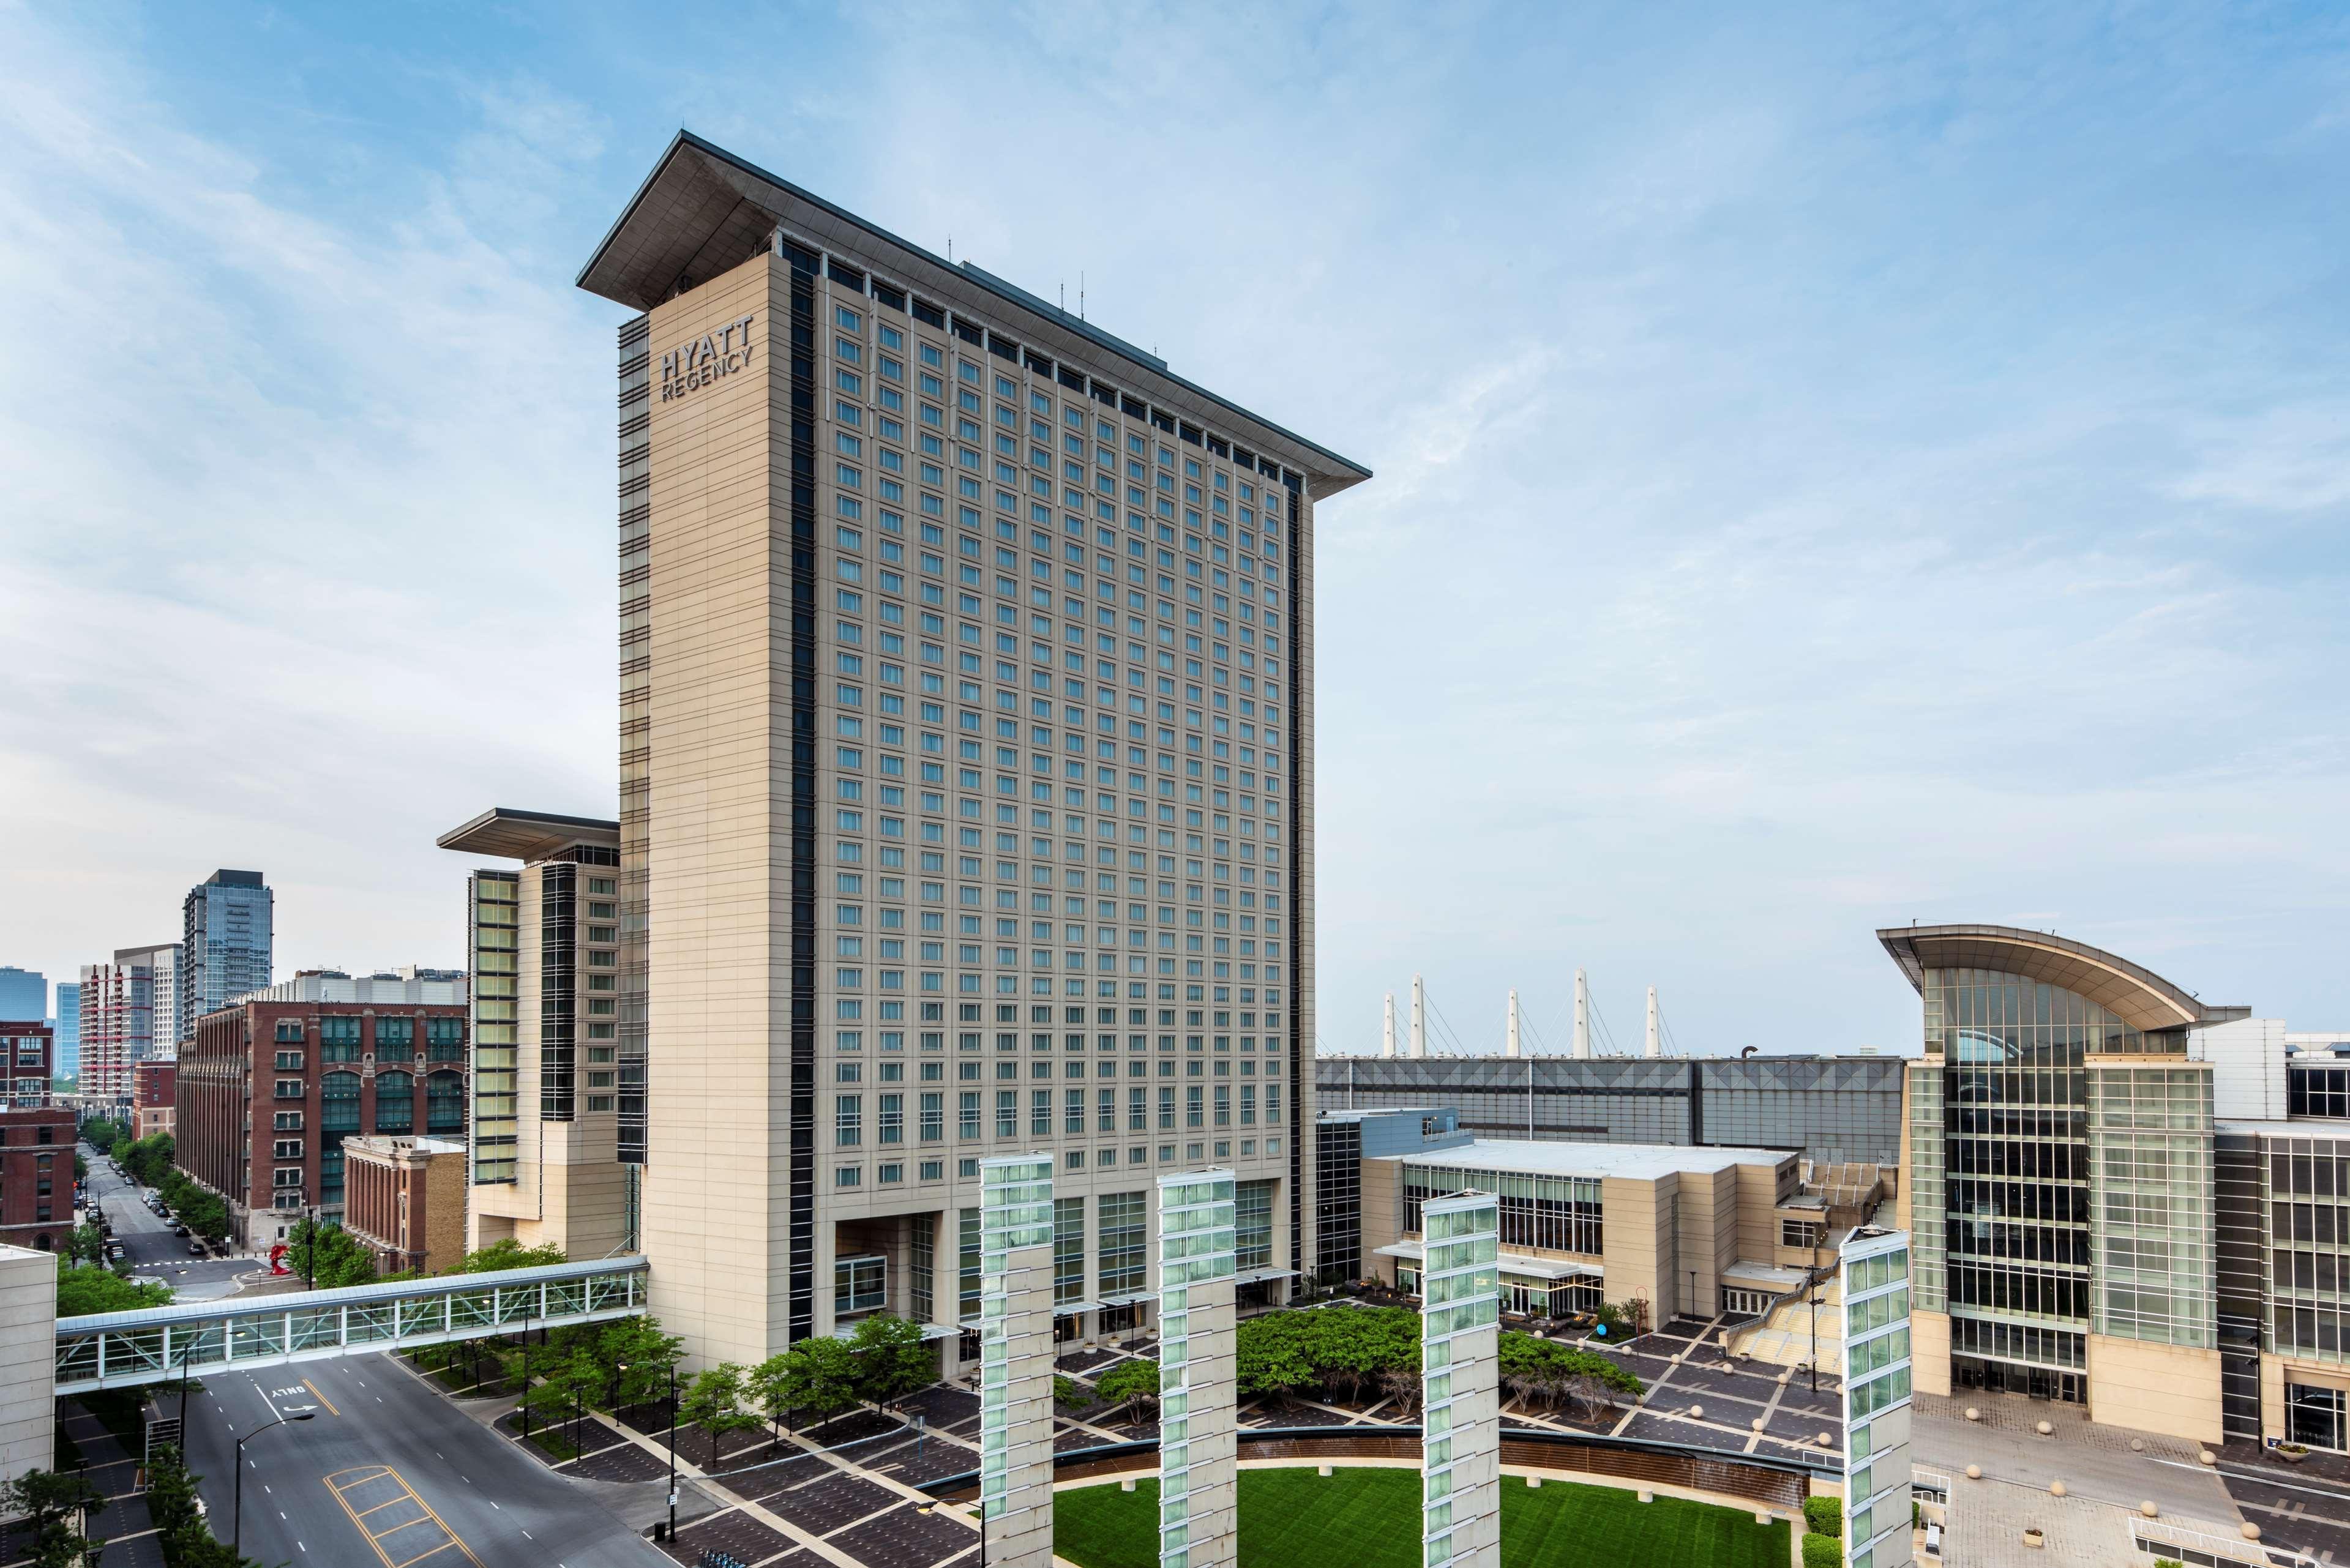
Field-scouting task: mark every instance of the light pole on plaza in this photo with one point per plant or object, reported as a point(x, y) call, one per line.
point(672, 1446)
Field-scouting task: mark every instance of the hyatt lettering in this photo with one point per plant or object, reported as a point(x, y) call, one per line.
point(699, 362)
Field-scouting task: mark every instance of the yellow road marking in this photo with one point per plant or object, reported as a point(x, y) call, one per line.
point(329, 1404)
point(362, 1475)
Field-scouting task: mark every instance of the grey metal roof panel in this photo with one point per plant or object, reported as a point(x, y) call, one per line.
point(702, 211)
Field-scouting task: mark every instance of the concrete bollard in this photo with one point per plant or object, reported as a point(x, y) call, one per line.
point(1647, 1496)
point(1533, 1481)
point(1322, 1470)
point(1974, 1414)
point(1756, 1423)
point(1126, 1485)
point(2149, 1509)
point(1761, 1516)
point(2044, 1428)
point(2056, 1489)
point(1697, 1412)
point(1974, 1472)
point(2252, 1533)
point(2137, 1444)
point(2206, 1457)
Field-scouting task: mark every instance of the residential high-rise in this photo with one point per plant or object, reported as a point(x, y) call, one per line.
point(225, 944)
point(966, 669)
point(68, 1028)
point(127, 1014)
point(545, 1167)
point(24, 993)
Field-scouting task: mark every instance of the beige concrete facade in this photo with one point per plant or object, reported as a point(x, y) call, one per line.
point(1930, 1352)
point(28, 1362)
point(1674, 1219)
point(545, 1167)
point(1058, 846)
point(1016, 1381)
point(1199, 1469)
point(2167, 1388)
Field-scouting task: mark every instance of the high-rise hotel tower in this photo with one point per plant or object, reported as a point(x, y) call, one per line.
point(966, 712)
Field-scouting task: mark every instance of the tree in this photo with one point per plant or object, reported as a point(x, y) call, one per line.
point(329, 1255)
point(638, 1356)
point(85, 1243)
point(819, 1376)
point(893, 1359)
point(714, 1401)
point(507, 1253)
point(55, 1505)
point(146, 1159)
point(171, 1505)
point(572, 1382)
point(84, 1291)
point(1133, 1381)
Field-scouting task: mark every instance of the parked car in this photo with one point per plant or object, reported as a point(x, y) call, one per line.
point(179, 1229)
point(198, 1249)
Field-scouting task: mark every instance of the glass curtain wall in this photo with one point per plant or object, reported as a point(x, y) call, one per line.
point(2015, 1141)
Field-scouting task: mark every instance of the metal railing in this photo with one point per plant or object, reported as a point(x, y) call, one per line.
point(2199, 1549)
point(158, 1345)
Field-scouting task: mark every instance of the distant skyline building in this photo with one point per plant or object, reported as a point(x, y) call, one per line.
point(23, 995)
point(226, 944)
point(128, 1015)
point(67, 1026)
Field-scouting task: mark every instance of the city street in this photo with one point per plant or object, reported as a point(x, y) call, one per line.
point(154, 1253)
point(388, 1472)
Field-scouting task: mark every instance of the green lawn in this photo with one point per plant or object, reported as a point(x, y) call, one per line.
point(1368, 1519)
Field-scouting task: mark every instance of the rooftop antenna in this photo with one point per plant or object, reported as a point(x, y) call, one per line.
point(1081, 294)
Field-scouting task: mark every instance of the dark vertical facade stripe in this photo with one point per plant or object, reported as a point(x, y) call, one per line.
point(1301, 1079)
point(1696, 1105)
point(803, 801)
point(636, 787)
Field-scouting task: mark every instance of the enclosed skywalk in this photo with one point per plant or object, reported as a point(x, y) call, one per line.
point(156, 1345)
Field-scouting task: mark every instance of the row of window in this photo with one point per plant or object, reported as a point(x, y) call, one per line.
point(1075, 1116)
point(893, 1172)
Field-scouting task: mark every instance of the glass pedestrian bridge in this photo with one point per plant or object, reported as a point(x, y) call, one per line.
point(156, 1345)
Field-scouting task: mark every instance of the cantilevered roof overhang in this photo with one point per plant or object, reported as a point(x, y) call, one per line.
point(2140, 997)
point(702, 211)
point(506, 834)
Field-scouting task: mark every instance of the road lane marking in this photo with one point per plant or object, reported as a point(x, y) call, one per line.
point(329, 1404)
point(343, 1481)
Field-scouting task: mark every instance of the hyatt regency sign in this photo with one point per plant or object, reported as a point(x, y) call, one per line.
point(705, 359)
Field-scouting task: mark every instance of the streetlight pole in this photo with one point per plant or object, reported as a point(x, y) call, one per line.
point(673, 1445)
point(236, 1528)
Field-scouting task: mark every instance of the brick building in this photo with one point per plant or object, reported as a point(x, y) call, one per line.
point(28, 1063)
point(36, 1176)
point(272, 1085)
point(154, 1089)
point(405, 1197)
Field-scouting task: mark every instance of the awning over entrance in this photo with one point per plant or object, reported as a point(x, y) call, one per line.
point(1072, 1309)
point(929, 1330)
point(1136, 1300)
point(1516, 1263)
point(1257, 1276)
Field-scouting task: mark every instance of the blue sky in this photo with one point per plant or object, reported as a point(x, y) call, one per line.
point(1835, 467)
